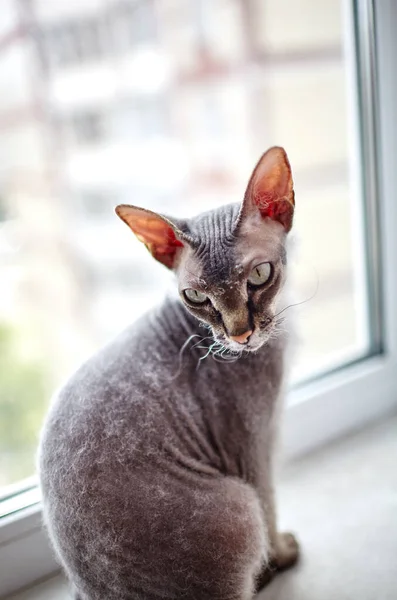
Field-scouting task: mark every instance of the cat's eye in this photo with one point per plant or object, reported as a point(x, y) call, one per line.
point(260, 274)
point(195, 296)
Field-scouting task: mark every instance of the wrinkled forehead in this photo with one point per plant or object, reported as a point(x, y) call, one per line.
point(223, 258)
point(261, 238)
point(212, 258)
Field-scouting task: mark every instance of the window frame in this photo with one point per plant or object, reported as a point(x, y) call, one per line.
point(356, 394)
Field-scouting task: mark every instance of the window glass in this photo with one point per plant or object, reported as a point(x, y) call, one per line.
point(167, 105)
point(88, 127)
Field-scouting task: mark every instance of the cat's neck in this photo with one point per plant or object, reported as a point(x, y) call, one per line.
point(232, 389)
point(176, 322)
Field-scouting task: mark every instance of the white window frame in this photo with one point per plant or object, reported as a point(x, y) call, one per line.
point(339, 402)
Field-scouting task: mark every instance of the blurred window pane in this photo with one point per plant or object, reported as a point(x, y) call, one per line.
point(74, 42)
point(141, 23)
point(97, 204)
point(3, 209)
point(167, 105)
point(88, 127)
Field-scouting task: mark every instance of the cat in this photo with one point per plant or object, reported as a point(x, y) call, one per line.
point(155, 459)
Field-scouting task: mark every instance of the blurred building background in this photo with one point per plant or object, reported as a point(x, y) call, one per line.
point(166, 104)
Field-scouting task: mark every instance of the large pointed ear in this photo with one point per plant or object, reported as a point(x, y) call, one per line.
point(270, 189)
point(160, 236)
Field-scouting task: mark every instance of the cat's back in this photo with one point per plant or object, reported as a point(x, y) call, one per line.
point(106, 412)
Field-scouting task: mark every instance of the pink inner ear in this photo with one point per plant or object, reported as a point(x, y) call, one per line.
point(159, 238)
point(152, 230)
point(272, 188)
point(157, 235)
point(281, 211)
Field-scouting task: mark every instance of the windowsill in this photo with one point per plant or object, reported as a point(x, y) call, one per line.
point(341, 503)
point(54, 588)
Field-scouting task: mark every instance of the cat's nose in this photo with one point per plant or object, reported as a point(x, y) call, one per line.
point(243, 338)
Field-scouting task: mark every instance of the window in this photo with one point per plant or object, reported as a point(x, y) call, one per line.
point(96, 204)
point(289, 88)
point(140, 118)
point(88, 127)
point(189, 145)
point(74, 42)
point(140, 22)
point(3, 210)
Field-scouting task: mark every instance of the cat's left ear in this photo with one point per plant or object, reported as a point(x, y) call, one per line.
point(161, 237)
point(270, 189)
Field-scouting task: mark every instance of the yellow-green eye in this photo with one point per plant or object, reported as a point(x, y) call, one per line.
point(260, 274)
point(195, 297)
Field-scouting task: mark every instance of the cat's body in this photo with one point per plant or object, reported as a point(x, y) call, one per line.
point(156, 465)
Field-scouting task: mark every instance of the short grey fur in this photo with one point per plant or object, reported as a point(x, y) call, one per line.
point(156, 456)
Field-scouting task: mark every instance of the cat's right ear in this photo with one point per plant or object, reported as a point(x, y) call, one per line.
point(270, 190)
point(161, 237)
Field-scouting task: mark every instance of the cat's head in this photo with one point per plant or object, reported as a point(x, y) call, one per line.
point(231, 262)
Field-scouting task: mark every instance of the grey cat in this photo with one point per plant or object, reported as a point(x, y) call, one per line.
point(156, 456)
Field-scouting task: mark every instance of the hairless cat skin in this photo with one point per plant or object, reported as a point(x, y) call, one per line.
point(156, 456)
